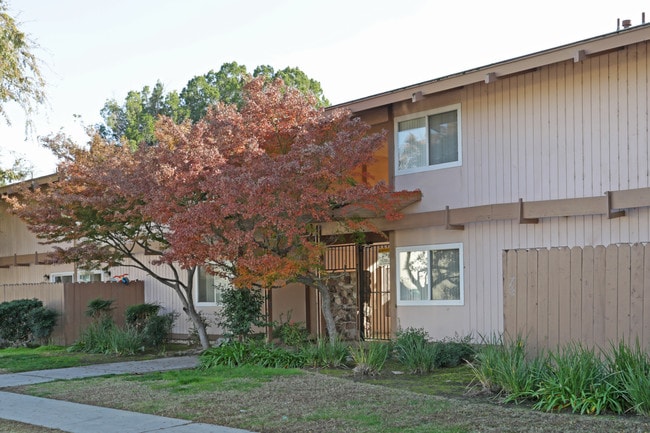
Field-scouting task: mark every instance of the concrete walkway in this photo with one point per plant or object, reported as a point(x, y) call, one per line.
point(82, 418)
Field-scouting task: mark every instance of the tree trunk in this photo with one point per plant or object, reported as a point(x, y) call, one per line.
point(326, 303)
point(198, 324)
point(326, 308)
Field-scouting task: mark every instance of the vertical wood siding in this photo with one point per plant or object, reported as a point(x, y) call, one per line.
point(565, 130)
point(596, 295)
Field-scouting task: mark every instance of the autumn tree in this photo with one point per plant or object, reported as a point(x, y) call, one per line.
point(133, 120)
point(240, 193)
point(21, 81)
point(244, 189)
point(94, 216)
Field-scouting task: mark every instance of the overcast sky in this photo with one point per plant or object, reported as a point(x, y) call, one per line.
point(96, 50)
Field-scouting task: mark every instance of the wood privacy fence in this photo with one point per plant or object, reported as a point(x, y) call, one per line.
point(71, 301)
point(594, 295)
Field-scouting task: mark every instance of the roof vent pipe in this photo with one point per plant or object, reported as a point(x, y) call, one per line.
point(642, 17)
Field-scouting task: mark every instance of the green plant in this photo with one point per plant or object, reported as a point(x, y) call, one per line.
point(577, 379)
point(241, 311)
point(415, 352)
point(100, 309)
point(501, 367)
point(630, 368)
point(138, 315)
point(238, 353)
point(325, 354)
point(270, 356)
point(42, 321)
point(23, 320)
point(291, 333)
point(370, 357)
point(107, 338)
point(453, 352)
point(157, 329)
point(230, 354)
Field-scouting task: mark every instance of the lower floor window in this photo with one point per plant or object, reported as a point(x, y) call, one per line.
point(430, 275)
point(209, 287)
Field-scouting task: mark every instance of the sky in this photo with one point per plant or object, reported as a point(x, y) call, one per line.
point(95, 50)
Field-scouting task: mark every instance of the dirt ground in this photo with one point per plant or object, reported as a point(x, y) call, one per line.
point(319, 403)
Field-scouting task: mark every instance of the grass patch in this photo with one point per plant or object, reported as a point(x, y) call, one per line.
point(16, 360)
point(243, 378)
point(445, 381)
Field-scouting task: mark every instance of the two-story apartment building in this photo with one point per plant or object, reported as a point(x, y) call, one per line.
point(535, 174)
point(535, 209)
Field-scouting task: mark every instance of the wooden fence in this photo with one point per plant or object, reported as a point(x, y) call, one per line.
point(71, 301)
point(594, 295)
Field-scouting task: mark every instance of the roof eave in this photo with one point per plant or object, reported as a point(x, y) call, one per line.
point(576, 51)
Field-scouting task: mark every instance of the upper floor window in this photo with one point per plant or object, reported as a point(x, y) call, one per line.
point(429, 140)
point(430, 275)
point(82, 276)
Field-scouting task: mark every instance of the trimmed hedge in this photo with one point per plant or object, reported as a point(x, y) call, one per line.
point(25, 321)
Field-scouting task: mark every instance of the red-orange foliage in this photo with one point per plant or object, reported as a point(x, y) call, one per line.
point(241, 190)
point(249, 186)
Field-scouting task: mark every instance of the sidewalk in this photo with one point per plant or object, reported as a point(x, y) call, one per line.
point(81, 418)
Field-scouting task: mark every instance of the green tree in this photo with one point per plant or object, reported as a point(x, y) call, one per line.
point(133, 120)
point(294, 77)
point(225, 86)
point(21, 81)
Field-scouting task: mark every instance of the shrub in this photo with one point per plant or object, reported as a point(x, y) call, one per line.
point(157, 329)
point(138, 315)
point(144, 329)
point(241, 311)
point(42, 321)
point(415, 352)
point(370, 357)
point(291, 333)
point(23, 320)
point(100, 309)
point(453, 352)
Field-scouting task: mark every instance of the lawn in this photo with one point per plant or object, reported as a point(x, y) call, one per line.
point(15, 360)
point(293, 400)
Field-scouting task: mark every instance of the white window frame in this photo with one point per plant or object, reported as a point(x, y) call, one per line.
point(195, 290)
point(430, 302)
point(426, 114)
point(53, 275)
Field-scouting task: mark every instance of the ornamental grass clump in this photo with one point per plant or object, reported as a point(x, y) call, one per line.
point(631, 368)
point(577, 378)
point(369, 358)
point(501, 367)
point(251, 352)
point(415, 352)
point(106, 337)
point(325, 354)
